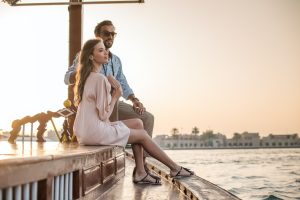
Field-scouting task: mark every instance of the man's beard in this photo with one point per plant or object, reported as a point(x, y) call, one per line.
point(108, 44)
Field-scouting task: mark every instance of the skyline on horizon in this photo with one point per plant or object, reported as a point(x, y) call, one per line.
point(210, 64)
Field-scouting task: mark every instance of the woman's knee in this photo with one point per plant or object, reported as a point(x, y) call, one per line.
point(137, 136)
point(139, 124)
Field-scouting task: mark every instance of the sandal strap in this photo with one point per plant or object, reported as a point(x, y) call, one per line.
point(179, 171)
point(143, 179)
point(186, 169)
point(189, 171)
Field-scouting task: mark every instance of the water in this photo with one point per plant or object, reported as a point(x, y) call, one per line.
point(258, 174)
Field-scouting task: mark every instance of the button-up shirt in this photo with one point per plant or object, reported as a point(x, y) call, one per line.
point(113, 67)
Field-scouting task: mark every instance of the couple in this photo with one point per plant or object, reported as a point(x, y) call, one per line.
point(96, 101)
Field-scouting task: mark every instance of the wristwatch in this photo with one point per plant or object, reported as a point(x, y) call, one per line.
point(135, 99)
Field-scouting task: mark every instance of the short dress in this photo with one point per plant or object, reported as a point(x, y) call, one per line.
point(92, 125)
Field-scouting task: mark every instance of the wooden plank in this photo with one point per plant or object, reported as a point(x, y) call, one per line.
point(120, 163)
point(91, 178)
point(108, 169)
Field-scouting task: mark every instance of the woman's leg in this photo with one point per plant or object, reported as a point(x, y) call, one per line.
point(135, 124)
point(136, 148)
point(138, 151)
point(139, 163)
point(141, 137)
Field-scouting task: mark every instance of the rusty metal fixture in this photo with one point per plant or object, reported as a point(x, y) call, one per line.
point(43, 119)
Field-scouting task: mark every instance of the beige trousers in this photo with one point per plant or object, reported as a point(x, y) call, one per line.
point(125, 111)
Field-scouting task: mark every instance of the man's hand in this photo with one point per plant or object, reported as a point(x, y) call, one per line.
point(138, 107)
point(114, 83)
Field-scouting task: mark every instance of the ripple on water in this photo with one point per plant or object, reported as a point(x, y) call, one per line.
point(294, 173)
point(254, 177)
point(260, 188)
point(236, 177)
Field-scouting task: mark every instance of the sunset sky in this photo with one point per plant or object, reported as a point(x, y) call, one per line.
point(229, 66)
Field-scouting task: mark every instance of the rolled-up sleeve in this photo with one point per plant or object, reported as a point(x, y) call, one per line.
point(70, 71)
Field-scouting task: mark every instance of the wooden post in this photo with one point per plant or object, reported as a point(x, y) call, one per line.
point(75, 30)
point(75, 38)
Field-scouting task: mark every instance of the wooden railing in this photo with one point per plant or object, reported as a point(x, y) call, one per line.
point(68, 171)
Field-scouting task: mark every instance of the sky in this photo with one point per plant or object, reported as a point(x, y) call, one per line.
point(227, 66)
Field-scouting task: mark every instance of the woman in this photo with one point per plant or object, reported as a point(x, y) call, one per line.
point(95, 104)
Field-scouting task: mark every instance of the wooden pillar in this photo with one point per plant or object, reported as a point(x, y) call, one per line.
point(75, 36)
point(75, 30)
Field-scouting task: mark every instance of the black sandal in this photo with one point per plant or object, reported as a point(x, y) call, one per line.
point(151, 174)
point(148, 172)
point(145, 181)
point(178, 175)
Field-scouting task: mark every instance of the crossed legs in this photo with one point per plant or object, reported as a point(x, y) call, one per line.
point(141, 140)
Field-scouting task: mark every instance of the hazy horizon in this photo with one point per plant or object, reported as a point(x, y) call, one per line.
point(229, 66)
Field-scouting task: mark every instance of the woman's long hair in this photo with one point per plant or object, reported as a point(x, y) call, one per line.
point(84, 68)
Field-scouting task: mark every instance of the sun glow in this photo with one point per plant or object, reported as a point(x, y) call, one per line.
point(215, 66)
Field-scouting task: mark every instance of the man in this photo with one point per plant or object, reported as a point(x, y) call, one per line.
point(114, 73)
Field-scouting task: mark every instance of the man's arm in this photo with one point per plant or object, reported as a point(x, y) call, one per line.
point(71, 73)
point(122, 79)
point(128, 92)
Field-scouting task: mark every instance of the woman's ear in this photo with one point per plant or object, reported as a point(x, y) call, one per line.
point(91, 57)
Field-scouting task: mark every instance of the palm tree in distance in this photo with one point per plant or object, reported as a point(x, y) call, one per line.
point(207, 137)
point(174, 132)
point(209, 134)
point(195, 131)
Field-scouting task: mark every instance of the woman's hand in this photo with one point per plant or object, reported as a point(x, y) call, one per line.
point(117, 92)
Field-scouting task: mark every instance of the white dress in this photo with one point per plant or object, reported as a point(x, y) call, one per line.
point(92, 125)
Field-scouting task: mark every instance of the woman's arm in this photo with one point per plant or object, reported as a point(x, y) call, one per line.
point(105, 102)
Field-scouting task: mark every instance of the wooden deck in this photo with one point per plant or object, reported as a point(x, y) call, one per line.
point(52, 170)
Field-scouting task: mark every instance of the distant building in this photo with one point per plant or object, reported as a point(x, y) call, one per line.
point(211, 140)
point(160, 140)
point(291, 140)
point(4, 135)
point(244, 140)
point(181, 141)
point(52, 135)
point(188, 141)
point(240, 140)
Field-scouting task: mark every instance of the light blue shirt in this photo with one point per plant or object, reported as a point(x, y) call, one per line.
point(113, 67)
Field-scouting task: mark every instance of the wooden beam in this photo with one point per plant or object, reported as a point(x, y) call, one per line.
point(75, 3)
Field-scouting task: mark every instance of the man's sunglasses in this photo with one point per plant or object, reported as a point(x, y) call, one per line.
point(107, 34)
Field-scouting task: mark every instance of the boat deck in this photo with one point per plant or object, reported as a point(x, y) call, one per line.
point(52, 170)
point(125, 189)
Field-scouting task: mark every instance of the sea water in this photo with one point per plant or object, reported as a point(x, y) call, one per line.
point(258, 174)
